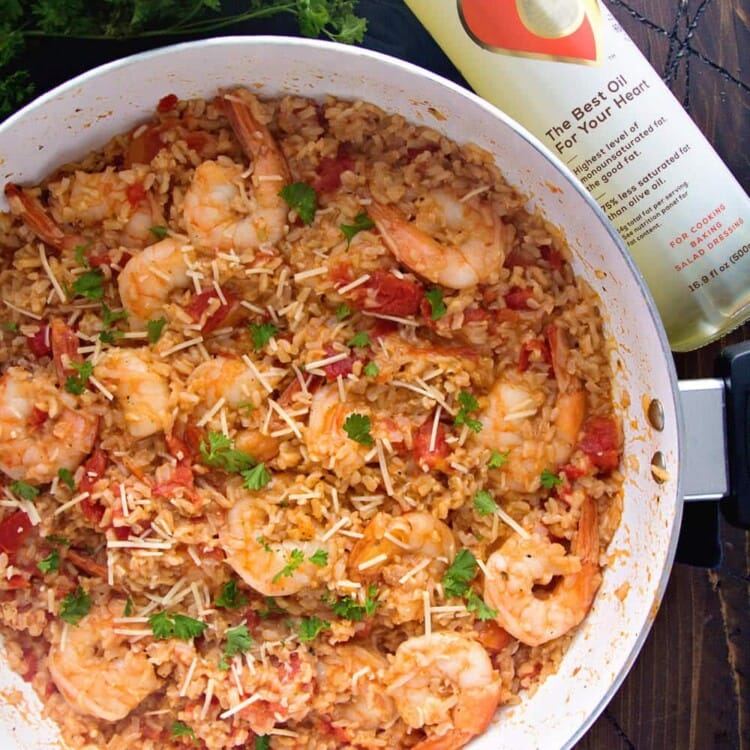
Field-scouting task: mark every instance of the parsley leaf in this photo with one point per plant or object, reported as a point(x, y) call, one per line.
point(461, 571)
point(76, 384)
point(154, 329)
point(129, 606)
point(294, 560)
point(498, 459)
point(272, 608)
point(263, 742)
point(112, 316)
point(24, 490)
point(343, 311)
point(484, 503)
point(11, 327)
point(230, 597)
point(158, 231)
point(256, 478)
point(262, 334)
point(371, 369)
point(311, 627)
point(469, 404)
point(357, 427)
point(350, 609)
point(90, 285)
point(319, 558)
point(477, 605)
point(181, 729)
point(51, 563)
point(550, 480)
point(239, 641)
point(220, 453)
point(75, 606)
point(302, 198)
point(435, 297)
point(168, 625)
point(361, 222)
point(359, 340)
point(79, 251)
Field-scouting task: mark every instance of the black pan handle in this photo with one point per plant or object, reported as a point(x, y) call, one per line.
point(733, 367)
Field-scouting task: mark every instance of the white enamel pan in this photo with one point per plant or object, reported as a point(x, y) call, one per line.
point(83, 114)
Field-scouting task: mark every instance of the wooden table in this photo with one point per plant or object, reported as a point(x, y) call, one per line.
point(690, 687)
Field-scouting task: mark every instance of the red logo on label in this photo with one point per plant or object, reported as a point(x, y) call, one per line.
point(565, 30)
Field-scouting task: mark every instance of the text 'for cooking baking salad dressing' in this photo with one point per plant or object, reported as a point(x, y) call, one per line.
point(567, 71)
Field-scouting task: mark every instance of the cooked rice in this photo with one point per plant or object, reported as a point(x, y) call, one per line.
point(160, 527)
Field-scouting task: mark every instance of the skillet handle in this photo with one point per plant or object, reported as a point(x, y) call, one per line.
point(733, 366)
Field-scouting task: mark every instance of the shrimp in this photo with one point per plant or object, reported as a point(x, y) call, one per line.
point(444, 682)
point(151, 276)
point(140, 385)
point(271, 548)
point(327, 441)
point(98, 672)
point(474, 249)
point(40, 429)
point(355, 689)
point(218, 212)
point(523, 563)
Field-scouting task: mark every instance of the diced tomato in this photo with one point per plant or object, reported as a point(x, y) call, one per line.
point(37, 418)
point(385, 293)
point(601, 442)
point(39, 343)
point(181, 480)
point(145, 146)
point(328, 172)
point(342, 367)
point(135, 193)
point(573, 471)
point(103, 259)
point(179, 448)
point(328, 729)
point(93, 512)
point(341, 274)
point(533, 346)
point(552, 256)
point(16, 582)
point(517, 298)
point(199, 141)
point(198, 305)
point(492, 636)
point(93, 470)
point(64, 343)
point(13, 532)
point(428, 459)
point(167, 103)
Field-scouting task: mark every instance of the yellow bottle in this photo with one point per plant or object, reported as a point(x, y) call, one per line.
point(567, 72)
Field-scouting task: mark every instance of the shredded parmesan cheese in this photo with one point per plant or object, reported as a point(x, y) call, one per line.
point(354, 284)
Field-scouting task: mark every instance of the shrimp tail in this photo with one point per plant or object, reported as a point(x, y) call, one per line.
point(35, 217)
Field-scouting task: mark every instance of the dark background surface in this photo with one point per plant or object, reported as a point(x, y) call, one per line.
point(690, 687)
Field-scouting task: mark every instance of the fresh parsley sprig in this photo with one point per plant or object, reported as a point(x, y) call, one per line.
point(175, 625)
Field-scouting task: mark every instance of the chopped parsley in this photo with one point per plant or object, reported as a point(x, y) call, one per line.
point(359, 340)
point(262, 333)
point(343, 311)
point(129, 606)
point(55, 539)
point(230, 597)
point(302, 198)
point(498, 459)
point(294, 560)
point(219, 453)
point(371, 369)
point(357, 427)
point(168, 625)
point(319, 558)
point(350, 609)
point(79, 251)
point(263, 742)
point(51, 563)
point(469, 405)
point(90, 285)
point(477, 605)
point(361, 222)
point(158, 231)
point(272, 608)
point(263, 543)
point(24, 490)
point(11, 327)
point(75, 606)
point(311, 627)
point(154, 329)
point(458, 576)
point(109, 317)
point(549, 479)
point(76, 384)
point(435, 297)
point(484, 503)
point(239, 641)
point(256, 478)
point(181, 729)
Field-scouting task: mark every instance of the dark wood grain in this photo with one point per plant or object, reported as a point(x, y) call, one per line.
point(690, 687)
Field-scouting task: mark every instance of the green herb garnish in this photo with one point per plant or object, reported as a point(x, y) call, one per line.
point(359, 340)
point(129, 606)
point(230, 597)
point(75, 606)
point(435, 297)
point(361, 222)
point(294, 560)
point(181, 729)
point(219, 453)
point(498, 459)
point(256, 478)
point(319, 558)
point(343, 311)
point(302, 198)
point(11, 327)
point(484, 503)
point(550, 480)
point(371, 369)
point(90, 285)
point(51, 563)
point(263, 742)
point(460, 573)
point(350, 609)
point(262, 334)
point(239, 641)
point(24, 490)
point(55, 539)
point(76, 384)
point(477, 605)
point(311, 627)
point(154, 329)
point(169, 625)
point(159, 232)
point(469, 405)
point(357, 427)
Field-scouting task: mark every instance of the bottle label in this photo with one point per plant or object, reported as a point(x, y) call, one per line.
point(560, 30)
